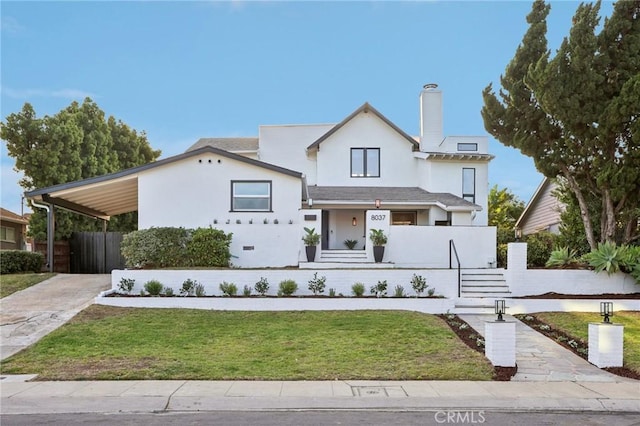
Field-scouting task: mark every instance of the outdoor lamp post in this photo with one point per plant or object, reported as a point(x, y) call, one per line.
point(500, 309)
point(606, 311)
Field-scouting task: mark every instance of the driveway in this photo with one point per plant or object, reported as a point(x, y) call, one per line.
point(30, 314)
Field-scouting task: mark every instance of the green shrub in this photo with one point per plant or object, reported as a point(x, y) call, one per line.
point(502, 256)
point(287, 288)
point(357, 289)
point(561, 257)
point(607, 257)
point(126, 285)
point(262, 286)
point(431, 291)
point(153, 287)
point(17, 261)
point(316, 285)
point(155, 247)
point(539, 248)
point(228, 289)
point(380, 289)
point(332, 292)
point(199, 289)
point(399, 291)
point(168, 291)
point(351, 244)
point(419, 284)
point(246, 291)
point(209, 247)
point(188, 287)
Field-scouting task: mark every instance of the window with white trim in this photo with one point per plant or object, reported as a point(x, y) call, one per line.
point(469, 184)
point(8, 234)
point(365, 162)
point(250, 196)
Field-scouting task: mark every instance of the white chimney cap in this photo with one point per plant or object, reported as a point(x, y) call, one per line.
point(430, 86)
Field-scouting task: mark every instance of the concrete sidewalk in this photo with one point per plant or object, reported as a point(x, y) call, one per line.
point(185, 396)
point(30, 314)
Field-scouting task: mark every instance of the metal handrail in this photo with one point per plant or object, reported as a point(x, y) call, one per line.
point(452, 249)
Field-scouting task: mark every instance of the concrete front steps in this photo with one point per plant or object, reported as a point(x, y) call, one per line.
point(340, 259)
point(465, 305)
point(484, 284)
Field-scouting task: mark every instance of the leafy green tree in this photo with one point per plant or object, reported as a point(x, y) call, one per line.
point(76, 143)
point(504, 210)
point(577, 113)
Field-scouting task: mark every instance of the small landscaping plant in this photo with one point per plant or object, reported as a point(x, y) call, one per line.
point(310, 237)
point(168, 291)
point(199, 290)
point(377, 237)
point(228, 289)
point(262, 286)
point(357, 289)
point(188, 287)
point(316, 285)
point(562, 257)
point(287, 288)
point(153, 287)
point(380, 289)
point(419, 284)
point(430, 292)
point(332, 292)
point(126, 285)
point(399, 291)
point(351, 244)
point(246, 291)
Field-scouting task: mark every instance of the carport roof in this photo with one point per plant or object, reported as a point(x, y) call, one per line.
point(117, 193)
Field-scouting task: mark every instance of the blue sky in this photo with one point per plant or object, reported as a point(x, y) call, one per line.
point(185, 70)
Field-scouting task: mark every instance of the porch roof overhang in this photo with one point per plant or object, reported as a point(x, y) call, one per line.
point(407, 197)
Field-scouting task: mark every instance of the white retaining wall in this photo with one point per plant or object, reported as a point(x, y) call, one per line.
point(445, 281)
point(527, 282)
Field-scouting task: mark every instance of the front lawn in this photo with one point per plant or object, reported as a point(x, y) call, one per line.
point(11, 283)
point(105, 343)
point(576, 324)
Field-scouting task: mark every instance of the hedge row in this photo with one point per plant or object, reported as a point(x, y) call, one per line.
point(176, 247)
point(16, 261)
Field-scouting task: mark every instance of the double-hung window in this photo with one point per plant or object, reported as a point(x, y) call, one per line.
point(469, 184)
point(8, 234)
point(365, 162)
point(250, 196)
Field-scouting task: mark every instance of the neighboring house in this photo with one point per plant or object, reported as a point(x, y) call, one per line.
point(542, 212)
point(341, 179)
point(13, 229)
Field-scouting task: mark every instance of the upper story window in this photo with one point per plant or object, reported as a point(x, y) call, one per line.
point(365, 162)
point(7, 234)
point(469, 184)
point(250, 196)
point(467, 147)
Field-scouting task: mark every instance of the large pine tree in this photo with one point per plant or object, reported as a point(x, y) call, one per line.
point(577, 113)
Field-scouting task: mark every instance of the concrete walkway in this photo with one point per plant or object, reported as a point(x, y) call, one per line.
point(185, 396)
point(541, 359)
point(30, 314)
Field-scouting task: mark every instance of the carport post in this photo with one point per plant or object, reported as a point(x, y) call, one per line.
point(51, 224)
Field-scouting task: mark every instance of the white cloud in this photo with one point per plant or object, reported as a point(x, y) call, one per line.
point(10, 25)
point(60, 93)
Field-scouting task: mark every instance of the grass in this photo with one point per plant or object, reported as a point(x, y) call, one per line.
point(11, 283)
point(105, 342)
point(576, 325)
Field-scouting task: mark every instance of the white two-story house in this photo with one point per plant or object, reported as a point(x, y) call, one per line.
point(426, 193)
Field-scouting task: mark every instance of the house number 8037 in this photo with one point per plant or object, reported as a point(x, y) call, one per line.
point(378, 216)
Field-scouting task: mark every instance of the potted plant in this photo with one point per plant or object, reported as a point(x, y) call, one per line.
point(378, 239)
point(311, 240)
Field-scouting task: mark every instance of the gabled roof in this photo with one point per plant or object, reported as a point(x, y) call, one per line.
point(366, 108)
point(387, 195)
point(10, 216)
point(116, 193)
point(535, 200)
point(228, 144)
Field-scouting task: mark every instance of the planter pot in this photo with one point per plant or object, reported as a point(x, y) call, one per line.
point(378, 253)
point(311, 253)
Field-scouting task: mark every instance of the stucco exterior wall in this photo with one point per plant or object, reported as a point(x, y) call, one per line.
point(366, 130)
point(286, 146)
point(428, 246)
